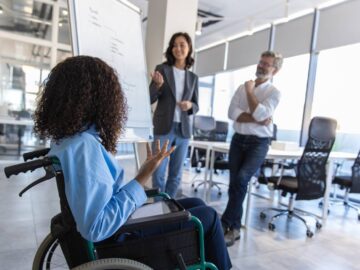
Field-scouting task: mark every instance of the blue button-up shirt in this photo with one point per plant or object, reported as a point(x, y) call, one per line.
point(94, 188)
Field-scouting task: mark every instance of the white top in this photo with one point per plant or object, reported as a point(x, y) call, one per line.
point(179, 76)
point(268, 97)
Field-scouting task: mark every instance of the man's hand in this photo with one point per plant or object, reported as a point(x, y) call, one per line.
point(249, 86)
point(265, 122)
point(185, 105)
point(153, 161)
point(157, 79)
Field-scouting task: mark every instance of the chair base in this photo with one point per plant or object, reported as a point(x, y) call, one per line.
point(347, 205)
point(202, 182)
point(345, 202)
point(291, 214)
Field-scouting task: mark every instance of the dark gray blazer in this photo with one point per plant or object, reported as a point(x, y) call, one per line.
point(166, 97)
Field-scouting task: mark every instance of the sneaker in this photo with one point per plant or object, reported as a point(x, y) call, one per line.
point(231, 236)
point(224, 228)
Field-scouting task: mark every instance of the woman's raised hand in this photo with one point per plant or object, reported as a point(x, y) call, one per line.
point(157, 79)
point(153, 160)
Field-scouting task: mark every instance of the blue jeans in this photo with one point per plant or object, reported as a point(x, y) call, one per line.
point(247, 153)
point(176, 162)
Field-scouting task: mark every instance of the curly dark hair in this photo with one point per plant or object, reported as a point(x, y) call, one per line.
point(170, 59)
point(79, 92)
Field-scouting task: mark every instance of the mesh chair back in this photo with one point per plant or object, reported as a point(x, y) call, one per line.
point(203, 127)
point(311, 171)
point(355, 176)
point(221, 131)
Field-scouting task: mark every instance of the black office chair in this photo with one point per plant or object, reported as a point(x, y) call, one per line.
point(351, 184)
point(203, 127)
point(202, 131)
point(310, 180)
point(221, 162)
point(263, 177)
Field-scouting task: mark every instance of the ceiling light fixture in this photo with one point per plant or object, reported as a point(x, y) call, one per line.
point(1, 10)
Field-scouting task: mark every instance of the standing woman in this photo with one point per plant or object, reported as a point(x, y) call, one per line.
point(175, 88)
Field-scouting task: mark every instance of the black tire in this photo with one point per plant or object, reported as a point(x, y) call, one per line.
point(309, 234)
point(113, 263)
point(262, 215)
point(49, 255)
point(318, 225)
point(271, 226)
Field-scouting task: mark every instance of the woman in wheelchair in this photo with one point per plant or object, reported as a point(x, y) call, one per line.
point(82, 109)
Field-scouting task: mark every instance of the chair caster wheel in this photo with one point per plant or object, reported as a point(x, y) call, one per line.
point(195, 190)
point(219, 193)
point(321, 204)
point(262, 215)
point(271, 226)
point(309, 233)
point(358, 217)
point(192, 185)
point(318, 225)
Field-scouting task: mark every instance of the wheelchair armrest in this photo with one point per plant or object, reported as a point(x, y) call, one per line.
point(152, 192)
point(140, 223)
point(177, 215)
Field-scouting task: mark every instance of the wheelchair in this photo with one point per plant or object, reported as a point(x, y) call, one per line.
point(64, 247)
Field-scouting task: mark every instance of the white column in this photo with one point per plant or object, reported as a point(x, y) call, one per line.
point(54, 33)
point(166, 17)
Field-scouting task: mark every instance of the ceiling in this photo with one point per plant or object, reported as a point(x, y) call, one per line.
point(242, 15)
point(220, 19)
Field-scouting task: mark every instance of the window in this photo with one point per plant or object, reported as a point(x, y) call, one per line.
point(291, 81)
point(206, 86)
point(225, 86)
point(336, 94)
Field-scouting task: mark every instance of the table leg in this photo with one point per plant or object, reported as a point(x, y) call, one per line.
point(248, 203)
point(207, 190)
point(329, 176)
point(212, 161)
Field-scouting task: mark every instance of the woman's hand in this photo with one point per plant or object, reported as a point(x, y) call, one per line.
point(185, 105)
point(153, 161)
point(157, 79)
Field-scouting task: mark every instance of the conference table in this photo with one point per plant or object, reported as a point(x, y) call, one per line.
point(212, 147)
point(21, 123)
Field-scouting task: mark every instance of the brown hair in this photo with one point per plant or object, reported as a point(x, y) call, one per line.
point(170, 59)
point(79, 92)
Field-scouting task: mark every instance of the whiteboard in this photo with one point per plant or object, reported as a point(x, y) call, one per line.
point(111, 30)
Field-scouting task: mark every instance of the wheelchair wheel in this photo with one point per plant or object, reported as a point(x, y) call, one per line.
point(49, 255)
point(113, 263)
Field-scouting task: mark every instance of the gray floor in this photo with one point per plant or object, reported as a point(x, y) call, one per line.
point(24, 222)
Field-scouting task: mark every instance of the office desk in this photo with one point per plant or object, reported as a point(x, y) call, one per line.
point(15, 122)
point(284, 154)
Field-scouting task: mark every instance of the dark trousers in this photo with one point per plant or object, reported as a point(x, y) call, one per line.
point(247, 153)
point(215, 248)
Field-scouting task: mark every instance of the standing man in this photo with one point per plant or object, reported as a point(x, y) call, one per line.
point(251, 109)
